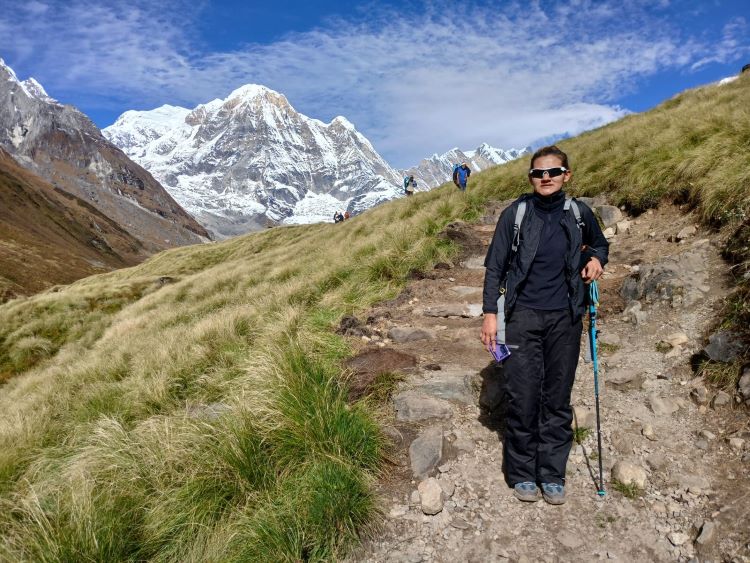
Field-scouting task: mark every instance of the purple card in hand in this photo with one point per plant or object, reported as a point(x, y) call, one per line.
point(500, 352)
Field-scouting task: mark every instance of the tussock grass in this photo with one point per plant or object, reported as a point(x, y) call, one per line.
point(204, 417)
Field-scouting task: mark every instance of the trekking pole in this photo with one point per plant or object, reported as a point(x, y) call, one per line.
point(593, 305)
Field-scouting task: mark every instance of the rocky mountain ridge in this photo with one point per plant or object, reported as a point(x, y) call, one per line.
point(251, 160)
point(61, 145)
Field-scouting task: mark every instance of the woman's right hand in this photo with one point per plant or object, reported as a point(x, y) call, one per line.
point(489, 331)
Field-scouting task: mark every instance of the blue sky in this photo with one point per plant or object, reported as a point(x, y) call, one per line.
point(414, 77)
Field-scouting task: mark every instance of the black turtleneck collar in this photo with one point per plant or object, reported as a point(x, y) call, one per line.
point(551, 203)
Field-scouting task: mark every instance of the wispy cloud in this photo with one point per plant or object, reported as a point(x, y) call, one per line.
point(413, 82)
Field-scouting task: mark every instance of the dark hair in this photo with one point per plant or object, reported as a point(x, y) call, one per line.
point(553, 150)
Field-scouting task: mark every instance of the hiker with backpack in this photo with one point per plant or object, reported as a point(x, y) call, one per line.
point(461, 175)
point(410, 185)
point(545, 249)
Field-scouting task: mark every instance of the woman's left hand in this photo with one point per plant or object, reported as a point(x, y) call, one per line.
point(592, 271)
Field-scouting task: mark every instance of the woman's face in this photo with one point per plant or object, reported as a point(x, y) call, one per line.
point(547, 185)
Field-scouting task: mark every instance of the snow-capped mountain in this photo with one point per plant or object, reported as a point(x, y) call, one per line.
point(62, 146)
point(438, 169)
point(251, 159)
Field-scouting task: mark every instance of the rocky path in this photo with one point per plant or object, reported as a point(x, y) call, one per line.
point(678, 448)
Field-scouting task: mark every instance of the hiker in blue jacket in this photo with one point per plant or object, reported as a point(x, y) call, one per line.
point(559, 249)
point(461, 176)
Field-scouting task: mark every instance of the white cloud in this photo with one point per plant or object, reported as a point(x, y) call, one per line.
point(413, 83)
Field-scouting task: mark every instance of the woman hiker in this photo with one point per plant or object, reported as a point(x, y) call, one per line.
point(559, 250)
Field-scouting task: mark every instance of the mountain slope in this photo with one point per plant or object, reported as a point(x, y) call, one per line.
point(240, 163)
point(50, 237)
point(63, 146)
point(197, 404)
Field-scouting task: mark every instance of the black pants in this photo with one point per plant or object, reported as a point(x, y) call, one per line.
point(539, 378)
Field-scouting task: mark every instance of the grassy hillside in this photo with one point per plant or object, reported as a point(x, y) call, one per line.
point(49, 237)
point(193, 407)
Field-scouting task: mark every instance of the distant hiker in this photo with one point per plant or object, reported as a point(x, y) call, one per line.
point(410, 185)
point(346, 215)
point(338, 217)
point(461, 173)
point(537, 264)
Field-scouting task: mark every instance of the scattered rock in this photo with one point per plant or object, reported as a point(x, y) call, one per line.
point(634, 313)
point(453, 384)
point(432, 367)
point(474, 262)
point(469, 311)
point(661, 406)
point(431, 496)
point(677, 338)
point(723, 346)
point(707, 533)
point(686, 232)
point(693, 483)
point(707, 434)
point(465, 290)
point(409, 334)
point(352, 326)
point(736, 443)
point(722, 399)
point(411, 406)
point(625, 379)
point(448, 486)
point(648, 432)
point(629, 473)
point(609, 338)
point(426, 451)
point(622, 227)
point(677, 538)
point(743, 386)
point(699, 394)
point(608, 233)
point(460, 523)
point(609, 214)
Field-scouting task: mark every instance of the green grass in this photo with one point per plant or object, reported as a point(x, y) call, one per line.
point(580, 434)
point(631, 491)
point(207, 419)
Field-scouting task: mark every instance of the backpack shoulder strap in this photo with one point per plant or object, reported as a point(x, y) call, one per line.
point(520, 212)
point(571, 204)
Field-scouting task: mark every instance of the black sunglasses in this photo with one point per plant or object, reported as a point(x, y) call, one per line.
point(553, 172)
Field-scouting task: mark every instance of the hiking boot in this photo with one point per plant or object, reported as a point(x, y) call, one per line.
point(553, 493)
point(526, 491)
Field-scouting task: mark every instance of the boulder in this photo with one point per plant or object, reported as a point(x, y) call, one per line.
point(426, 451)
point(661, 406)
point(609, 214)
point(625, 379)
point(453, 384)
point(411, 406)
point(721, 399)
point(455, 310)
point(409, 334)
point(431, 496)
point(629, 473)
point(723, 346)
point(707, 533)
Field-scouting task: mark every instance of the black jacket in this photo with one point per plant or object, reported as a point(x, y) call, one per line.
point(499, 254)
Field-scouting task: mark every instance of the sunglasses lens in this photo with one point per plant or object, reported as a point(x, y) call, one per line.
point(553, 172)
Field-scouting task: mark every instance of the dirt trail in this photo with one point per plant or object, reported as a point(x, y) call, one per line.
point(696, 500)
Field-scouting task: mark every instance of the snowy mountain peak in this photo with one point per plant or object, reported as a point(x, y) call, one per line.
point(343, 122)
point(251, 91)
point(36, 90)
